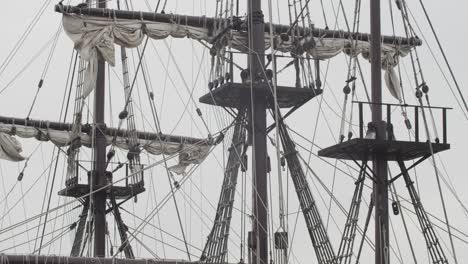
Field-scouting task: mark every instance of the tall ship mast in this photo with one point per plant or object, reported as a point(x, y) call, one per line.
point(203, 137)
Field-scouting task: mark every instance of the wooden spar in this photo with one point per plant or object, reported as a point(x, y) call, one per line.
point(208, 22)
point(87, 129)
point(34, 259)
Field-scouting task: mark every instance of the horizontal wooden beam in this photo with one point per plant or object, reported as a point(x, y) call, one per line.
point(209, 22)
point(34, 259)
point(87, 128)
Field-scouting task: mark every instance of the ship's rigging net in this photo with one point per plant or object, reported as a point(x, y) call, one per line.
point(10, 148)
point(93, 34)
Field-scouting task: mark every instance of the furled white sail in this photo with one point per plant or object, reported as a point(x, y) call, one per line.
point(93, 34)
point(10, 148)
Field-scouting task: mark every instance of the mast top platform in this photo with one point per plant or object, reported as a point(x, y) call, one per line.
point(365, 147)
point(77, 190)
point(119, 192)
point(233, 95)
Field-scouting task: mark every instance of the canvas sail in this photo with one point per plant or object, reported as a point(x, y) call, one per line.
point(96, 34)
point(10, 147)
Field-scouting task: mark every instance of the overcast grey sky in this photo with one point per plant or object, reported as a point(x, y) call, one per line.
point(199, 195)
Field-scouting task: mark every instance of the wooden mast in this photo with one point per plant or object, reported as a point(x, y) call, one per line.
point(98, 177)
point(380, 164)
point(257, 114)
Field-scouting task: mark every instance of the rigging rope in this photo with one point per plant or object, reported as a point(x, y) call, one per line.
point(397, 199)
point(438, 183)
point(345, 250)
point(28, 63)
point(46, 68)
point(49, 201)
point(23, 37)
point(370, 187)
point(216, 246)
point(281, 212)
point(443, 54)
point(419, 94)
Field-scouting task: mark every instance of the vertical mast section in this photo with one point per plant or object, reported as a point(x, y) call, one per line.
point(380, 166)
point(258, 103)
point(376, 60)
point(99, 175)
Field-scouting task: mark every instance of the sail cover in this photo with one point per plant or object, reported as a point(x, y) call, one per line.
point(93, 34)
point(10, 148)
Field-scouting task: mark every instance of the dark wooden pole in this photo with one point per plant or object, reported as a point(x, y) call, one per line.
point(376, 60)
point(208, 22)
point(258, 126)
point(380, 165)
point(99, 175)
point(87, 129)
point(34, 259)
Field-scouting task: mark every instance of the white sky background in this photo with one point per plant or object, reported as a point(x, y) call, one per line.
point(448, 18)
